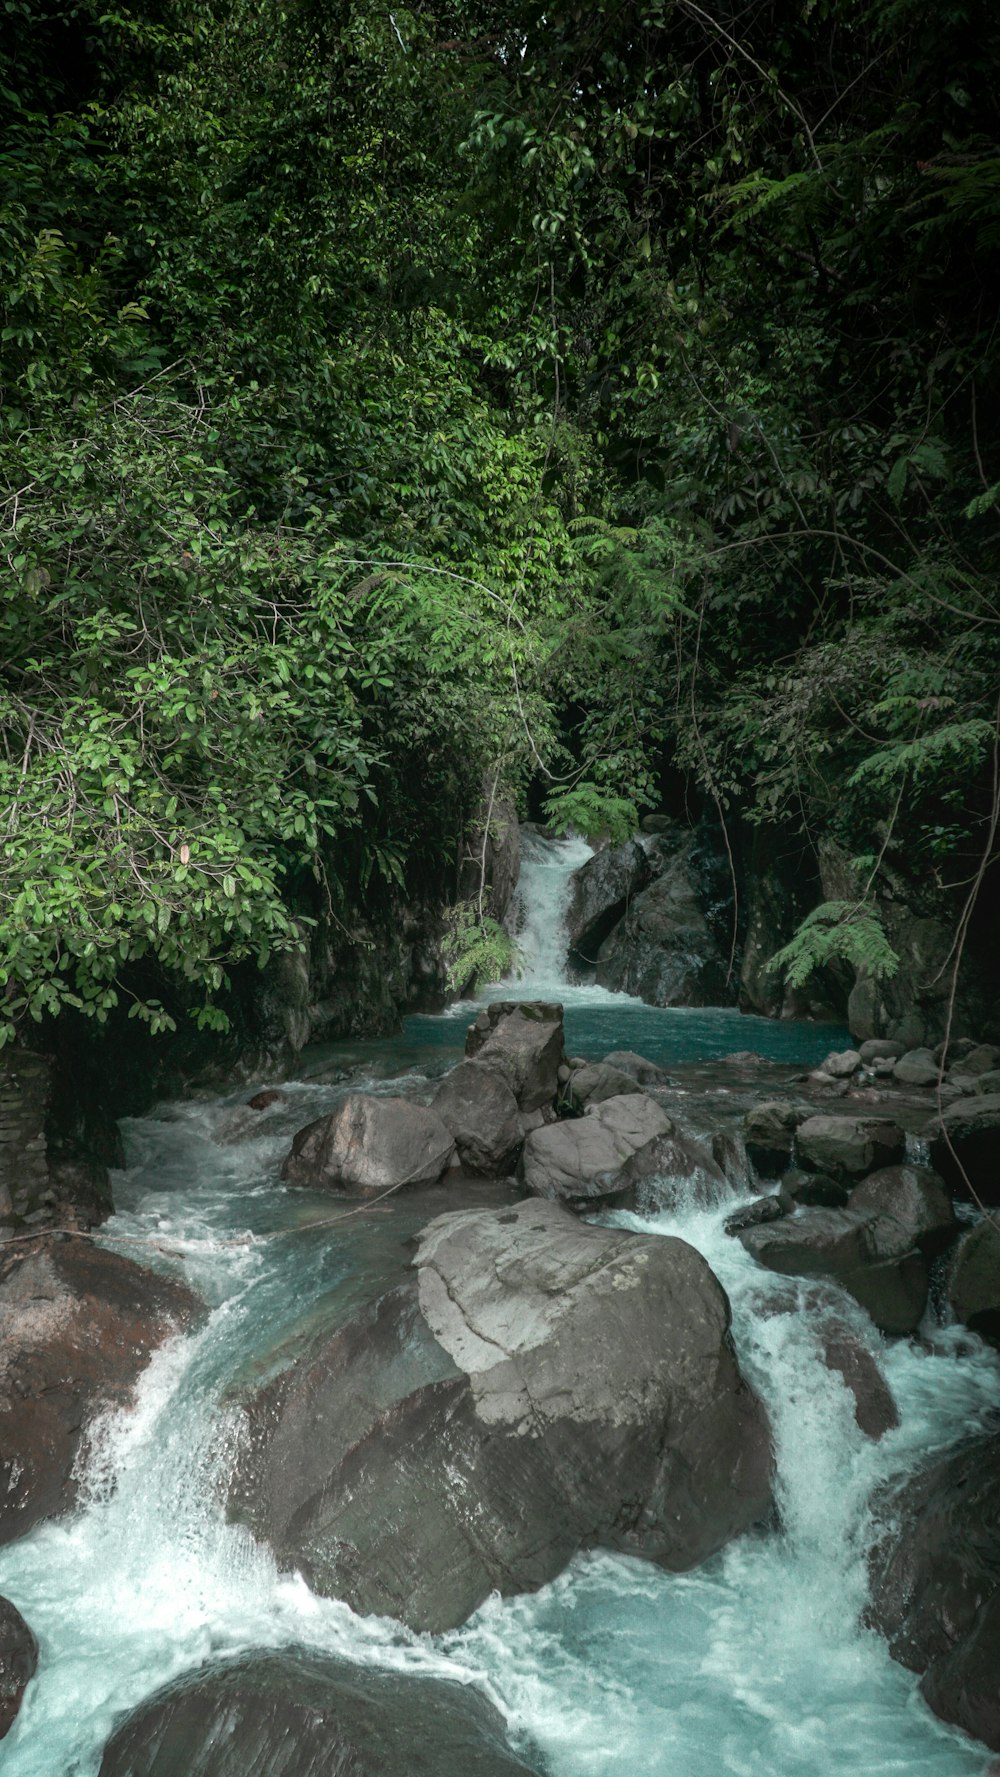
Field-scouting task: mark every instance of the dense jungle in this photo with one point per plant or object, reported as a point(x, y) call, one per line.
point(598, 405)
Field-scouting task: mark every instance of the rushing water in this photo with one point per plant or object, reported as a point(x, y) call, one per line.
point(752, 1665)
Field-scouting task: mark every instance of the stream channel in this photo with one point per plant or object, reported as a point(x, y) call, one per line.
point(752, 1666)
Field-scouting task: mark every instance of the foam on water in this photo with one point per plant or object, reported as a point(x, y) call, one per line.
point(755, 1663)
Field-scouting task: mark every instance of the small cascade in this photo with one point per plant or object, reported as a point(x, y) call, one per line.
point(547, 867)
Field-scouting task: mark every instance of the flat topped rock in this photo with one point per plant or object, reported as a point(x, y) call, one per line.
point(848, 1147)
point(302, 1714)
point(536, 1386)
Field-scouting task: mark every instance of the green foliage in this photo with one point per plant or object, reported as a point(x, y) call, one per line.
point(593, 812)
point(476, 950)
point(611, 392)
point(838, 931)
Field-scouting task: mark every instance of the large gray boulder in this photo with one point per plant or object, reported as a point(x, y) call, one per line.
point(871, 1255)
point(369, 1145)
point(301, 1714)
point(965, 1146)
point(575, 1161)
point(535, 1386)
point(600, 894)
point(18, 1660)
point(666, 949)
point(522, 1040)
point(78, 1324)
point(936, 1584)
point(848, 1147)
point(672, 1171)
point(477, 1106)
point(916, 1199)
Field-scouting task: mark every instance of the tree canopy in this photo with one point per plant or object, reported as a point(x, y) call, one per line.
point(589, 394)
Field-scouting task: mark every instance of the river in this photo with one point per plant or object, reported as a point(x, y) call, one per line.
point(752, 1666)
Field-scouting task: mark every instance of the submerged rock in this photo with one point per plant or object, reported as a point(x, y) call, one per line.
point(576, 1161)
point(535, 1387)
point(844, 1349)
point(368, 1145)
point(301, 1714)
point(936, 1585)
point(77, 1326)
point(18, 1660)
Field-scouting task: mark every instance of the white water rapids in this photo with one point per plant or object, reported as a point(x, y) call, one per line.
point(752, 1666)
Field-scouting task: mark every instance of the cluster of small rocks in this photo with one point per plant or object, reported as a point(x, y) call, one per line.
point(957, 1070)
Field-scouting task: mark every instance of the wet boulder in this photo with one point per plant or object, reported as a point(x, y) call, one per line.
point(872, 1256)
point(670, 1172)
point(369, 1145)
point(972, 1289)
point(18, 1660)
point(666, 949)
point(78, 1324)
point(771, 1208)
point(479, 1109)
point(577, 1161)
point(875, 1410)
point(522, 1040)
point(730, 1156)
point(936, 1584)
point(848, 1147)
point(303, 1714)
point(769, 1134)
point(847, 1350)
point(638, 1068)
point(600, 893)
point(596, 1081)
point(916, 1199)
point(535, 1386)
point(965, 1146)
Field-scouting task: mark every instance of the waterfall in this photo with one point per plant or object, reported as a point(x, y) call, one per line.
point(541, 903)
